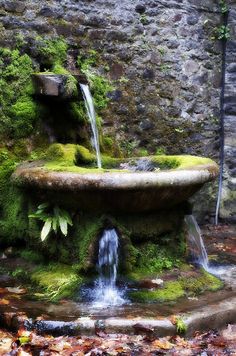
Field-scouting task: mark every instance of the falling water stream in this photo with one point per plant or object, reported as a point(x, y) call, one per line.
point(88, 99)
point(226, 273)
point(106, 293)
point(196, 242)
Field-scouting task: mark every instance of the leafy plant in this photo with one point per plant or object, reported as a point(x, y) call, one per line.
point(223, 6)
point(143, 19)
point(181, 327)
point(55, 219)
point(223, 32)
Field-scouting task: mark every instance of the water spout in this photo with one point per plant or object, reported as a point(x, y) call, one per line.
point(196, 242)
point(88, 99)
point(106, 293)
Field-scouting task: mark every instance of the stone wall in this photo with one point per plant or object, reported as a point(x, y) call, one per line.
point(161, 55)
point(228, 207)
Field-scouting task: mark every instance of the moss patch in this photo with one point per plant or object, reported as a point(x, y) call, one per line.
point(13, 215)
point(18, 111)
point(74, 158)
point(173, 290)
point(57, 281)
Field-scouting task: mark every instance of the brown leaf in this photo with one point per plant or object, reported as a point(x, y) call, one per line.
point(173, 319)
point(4, 301)
point(162, 344)
point(219, 341)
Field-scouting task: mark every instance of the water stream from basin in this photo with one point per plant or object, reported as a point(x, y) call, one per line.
point(196, 242)
point(106, 292)
point(88, 99)
point(226, 272)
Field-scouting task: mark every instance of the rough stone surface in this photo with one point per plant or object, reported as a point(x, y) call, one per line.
point(228, 206)
point(165, 66)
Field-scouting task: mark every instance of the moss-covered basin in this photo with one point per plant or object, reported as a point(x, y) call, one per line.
point(118, 190)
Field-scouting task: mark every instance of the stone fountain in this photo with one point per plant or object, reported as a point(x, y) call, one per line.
point(144, 198)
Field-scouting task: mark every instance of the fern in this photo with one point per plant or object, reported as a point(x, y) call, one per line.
point(55, 219)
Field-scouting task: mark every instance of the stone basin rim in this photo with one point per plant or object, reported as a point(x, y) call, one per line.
point(31, 176)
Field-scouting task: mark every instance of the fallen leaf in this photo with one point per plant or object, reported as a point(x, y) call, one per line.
point(16, 290)
point(162, 344)
point(4, 301)
point(173, 319)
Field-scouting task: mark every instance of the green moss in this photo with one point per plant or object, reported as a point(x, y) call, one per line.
point(52, 50)
point(171, 292)
point(31, 256)
point(57, 281)
point(206, 282)
point(84, 157)
point(63, 154)
point(100, 85)
point(13, 216)
point(152, 259)
point(78, 112)
point(18, 112)
point(71, 82)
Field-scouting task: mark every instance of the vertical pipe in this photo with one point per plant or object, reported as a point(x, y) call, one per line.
point(222, 118)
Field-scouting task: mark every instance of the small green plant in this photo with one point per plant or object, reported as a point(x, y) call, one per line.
point(54, 219)
point(223, 6)
point(161, 51)
point(223, 33)
point(160, 151)
point(181, 327)
point(143, 19)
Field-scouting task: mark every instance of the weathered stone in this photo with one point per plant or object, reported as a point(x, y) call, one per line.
point(192, 20)
point(140, 8)
point(15, 6)
point(148, 73)
point(51, 85)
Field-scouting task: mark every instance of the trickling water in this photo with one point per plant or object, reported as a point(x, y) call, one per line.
point(226, 273)
point(88, 99)
point(106, 293)
point(195, 238)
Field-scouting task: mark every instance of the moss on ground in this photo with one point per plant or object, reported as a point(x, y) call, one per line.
point(57, 281)
point(173, 290)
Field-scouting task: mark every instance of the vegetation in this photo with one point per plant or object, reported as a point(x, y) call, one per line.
point(13, 216)
point(181, 327)
point(54, 219)
point(56, 281)
point(223, 6)
point(173, 290)
point(18, 111)
point(99, 85)
point(223, 32)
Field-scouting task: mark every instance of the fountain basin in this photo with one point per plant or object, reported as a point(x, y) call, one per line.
point(113, 190)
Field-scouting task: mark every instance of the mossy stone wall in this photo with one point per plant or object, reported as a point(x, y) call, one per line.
point(163, 59)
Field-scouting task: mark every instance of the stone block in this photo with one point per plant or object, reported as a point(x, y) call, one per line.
point(15, 6)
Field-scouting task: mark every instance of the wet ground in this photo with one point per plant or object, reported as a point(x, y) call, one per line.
point(221, 246)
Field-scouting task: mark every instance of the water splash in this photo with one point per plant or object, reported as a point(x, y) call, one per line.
point(106, 293)
point(196, 242)
point(88, 99)
point(227, 273)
